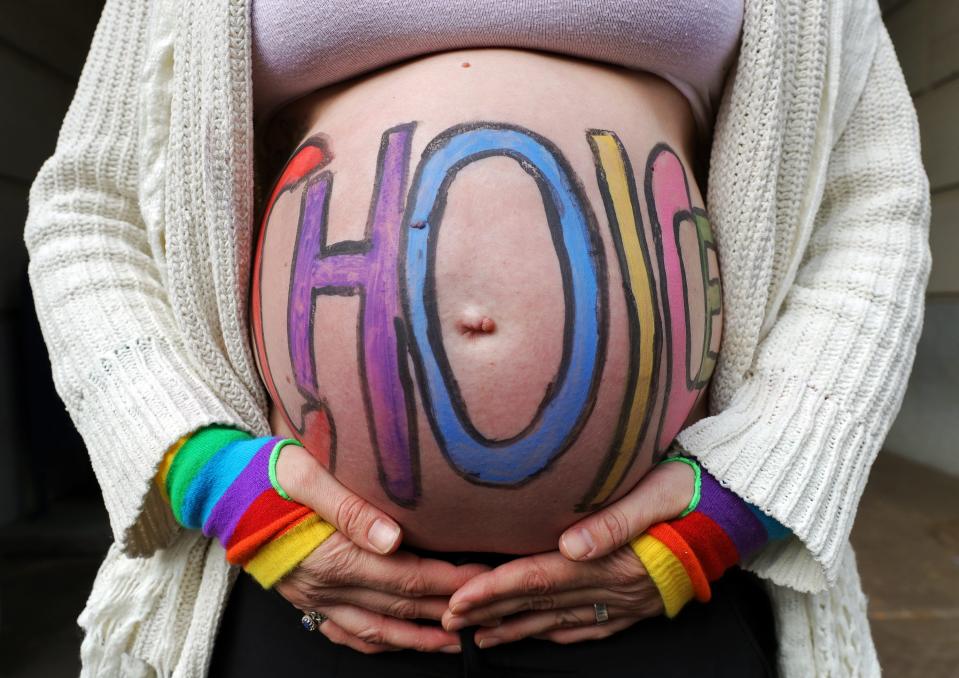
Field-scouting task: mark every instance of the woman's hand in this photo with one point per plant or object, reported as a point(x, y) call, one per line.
point(307, 482)
point(551, 595)
point(548, 596)
point(370, 598)
point(356, 578)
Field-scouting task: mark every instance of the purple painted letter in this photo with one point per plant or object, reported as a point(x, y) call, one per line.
point(366, 268)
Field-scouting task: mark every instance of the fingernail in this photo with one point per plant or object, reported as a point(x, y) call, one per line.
point(451, 649)
point(578, 543)
point(488, 642)
point(382, 535)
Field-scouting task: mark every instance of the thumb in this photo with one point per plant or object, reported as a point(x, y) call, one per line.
point(308, 482)
point(661, 495)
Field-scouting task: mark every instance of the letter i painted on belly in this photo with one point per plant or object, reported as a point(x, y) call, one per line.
point(618, 188)
point(368, 269)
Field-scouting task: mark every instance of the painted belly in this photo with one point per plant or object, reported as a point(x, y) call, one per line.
point(362, 345)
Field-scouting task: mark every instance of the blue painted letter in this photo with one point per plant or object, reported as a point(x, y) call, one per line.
point(569, 401)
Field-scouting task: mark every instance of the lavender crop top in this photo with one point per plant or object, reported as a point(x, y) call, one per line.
point(302, 45)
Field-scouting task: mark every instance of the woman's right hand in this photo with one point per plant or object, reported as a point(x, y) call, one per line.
point(367, 589)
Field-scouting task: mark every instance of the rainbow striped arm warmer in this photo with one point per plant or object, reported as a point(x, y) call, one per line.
point(218, 480)
point(682, 556)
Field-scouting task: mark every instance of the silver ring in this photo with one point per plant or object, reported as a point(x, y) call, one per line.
point(311, 620)
point(602, 614)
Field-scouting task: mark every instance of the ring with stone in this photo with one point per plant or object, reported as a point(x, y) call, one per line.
point(602, 614)
point(311, 620)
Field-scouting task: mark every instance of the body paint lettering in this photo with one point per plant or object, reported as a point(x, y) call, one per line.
point(367, 268)
point(392, 271)
point(569, 402)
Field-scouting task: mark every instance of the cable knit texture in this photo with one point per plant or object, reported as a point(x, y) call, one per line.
point(139, 233)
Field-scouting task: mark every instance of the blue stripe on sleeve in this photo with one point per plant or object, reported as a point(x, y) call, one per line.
point(774, 529)
point(215, 478)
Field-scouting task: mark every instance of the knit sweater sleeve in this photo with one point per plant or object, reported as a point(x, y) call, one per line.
point(117, 357)
point(800, 433)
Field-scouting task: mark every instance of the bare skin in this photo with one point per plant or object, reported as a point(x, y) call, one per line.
point(357, 577)
point(372, 599)
point(362, 583)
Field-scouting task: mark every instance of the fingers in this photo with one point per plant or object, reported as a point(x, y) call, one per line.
point(619, 579)
point(594, 632)
point(307, 482)
point(380, 631)
point(502, 608)
point(338, 563)
point(432, 607)
point(338, 635)
point(408, 575)
point(661, 495)
point(533, 623)
point(533, 576)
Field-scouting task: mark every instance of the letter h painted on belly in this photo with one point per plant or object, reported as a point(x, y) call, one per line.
point(368, 269)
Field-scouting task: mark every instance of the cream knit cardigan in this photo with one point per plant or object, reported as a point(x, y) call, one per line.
point(139, 233)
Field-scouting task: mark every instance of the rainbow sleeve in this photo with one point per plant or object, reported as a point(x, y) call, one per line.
point(218, 481)
point(684, 555)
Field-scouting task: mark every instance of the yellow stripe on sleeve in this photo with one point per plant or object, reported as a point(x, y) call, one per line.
point(666, 571)
point(276, 559)
point(164, 468)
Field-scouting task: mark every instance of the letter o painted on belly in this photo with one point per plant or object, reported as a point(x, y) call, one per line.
point(568, 404)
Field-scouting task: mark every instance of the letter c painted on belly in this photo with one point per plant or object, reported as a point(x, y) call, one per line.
point(569, 401)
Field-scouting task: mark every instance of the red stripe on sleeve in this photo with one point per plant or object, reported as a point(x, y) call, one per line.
point(684, 553)
point(267, 517)
point(713, 547)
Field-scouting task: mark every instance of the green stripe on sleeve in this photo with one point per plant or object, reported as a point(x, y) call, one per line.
point(194, 454)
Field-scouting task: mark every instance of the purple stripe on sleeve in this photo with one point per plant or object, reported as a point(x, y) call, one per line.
point(732, 514)
point(249, 485)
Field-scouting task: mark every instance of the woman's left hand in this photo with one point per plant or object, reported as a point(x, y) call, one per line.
point(551, 595)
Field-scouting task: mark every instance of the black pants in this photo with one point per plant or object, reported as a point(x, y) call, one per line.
point(732, 635)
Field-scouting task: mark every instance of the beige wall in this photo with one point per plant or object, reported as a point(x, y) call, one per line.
point(926, 36)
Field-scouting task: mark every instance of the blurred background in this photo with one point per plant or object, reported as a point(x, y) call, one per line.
point(53, 529)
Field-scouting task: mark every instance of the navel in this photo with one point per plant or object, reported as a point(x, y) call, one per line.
point(472, 323)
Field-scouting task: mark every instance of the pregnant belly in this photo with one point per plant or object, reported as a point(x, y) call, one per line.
point(486, 294)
